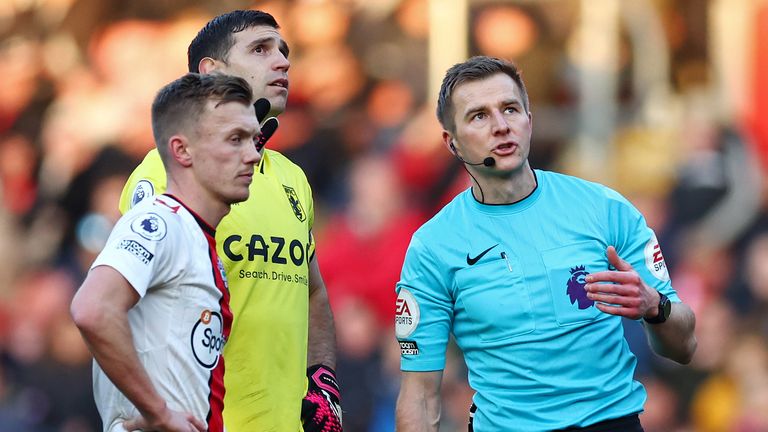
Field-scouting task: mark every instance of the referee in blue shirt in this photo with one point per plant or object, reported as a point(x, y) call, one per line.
point(531, 271)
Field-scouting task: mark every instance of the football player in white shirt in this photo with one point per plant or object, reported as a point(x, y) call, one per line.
point(154, 308)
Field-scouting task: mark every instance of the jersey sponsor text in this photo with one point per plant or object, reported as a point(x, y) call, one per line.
point(275, 276)
point(208, 339)
point(275, 249)
point(409, 348)
point(137, 250)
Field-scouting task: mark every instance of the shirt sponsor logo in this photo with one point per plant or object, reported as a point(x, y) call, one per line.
point(654, 260)
point(575, 287)
point(208, 339)
point(408, 347)
point(137, 250)
point(272, 249)
point(406, 314)
point(150, 226)
point(143, 191)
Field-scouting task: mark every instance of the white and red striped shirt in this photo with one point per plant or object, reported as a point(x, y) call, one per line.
point(182, 320)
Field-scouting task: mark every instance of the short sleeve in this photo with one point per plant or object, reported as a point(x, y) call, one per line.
point(138, 248)
point(637, 244)
point(424, 311)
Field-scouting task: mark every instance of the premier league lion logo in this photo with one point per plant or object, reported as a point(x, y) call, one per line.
point(150, 226)
point(143, 191)
point(576, 290)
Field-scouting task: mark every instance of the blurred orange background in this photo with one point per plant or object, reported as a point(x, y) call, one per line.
point(664, 100)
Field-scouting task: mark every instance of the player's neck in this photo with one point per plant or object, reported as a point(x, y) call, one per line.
point(200, 201)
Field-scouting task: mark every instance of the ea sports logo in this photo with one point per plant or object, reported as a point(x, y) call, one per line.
point(654, 260)
point(407, 313)
point(208, 339)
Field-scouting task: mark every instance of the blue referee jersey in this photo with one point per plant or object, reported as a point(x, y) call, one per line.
point(508, 282)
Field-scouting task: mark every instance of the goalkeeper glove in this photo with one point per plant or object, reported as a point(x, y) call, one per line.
point(268, 126)
point(321, 407)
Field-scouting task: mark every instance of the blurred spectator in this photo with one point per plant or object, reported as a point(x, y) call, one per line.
point(365, 245)
point(736, 397)
point(750, 289)
point(51, 365)
point(358, 361)
point(21, 74)
point(91, 209)
point(661, 407)
point(385, 394)
point(50, 383)
point(18, 167)
point(504, 31)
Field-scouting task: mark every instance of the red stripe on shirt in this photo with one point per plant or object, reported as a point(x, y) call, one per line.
point(216, 381)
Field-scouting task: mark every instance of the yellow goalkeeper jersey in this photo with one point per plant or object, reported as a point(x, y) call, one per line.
point(265, 244)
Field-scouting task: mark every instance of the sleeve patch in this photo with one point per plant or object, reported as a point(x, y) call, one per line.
point(408, 347)
point(150, 226)
point(654, 260)
point(137, 250)
point(143, 191)
point(406, 314)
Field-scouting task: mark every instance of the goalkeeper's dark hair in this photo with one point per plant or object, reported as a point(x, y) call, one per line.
point(476, 68)
point(178, 106)
point(218, 36)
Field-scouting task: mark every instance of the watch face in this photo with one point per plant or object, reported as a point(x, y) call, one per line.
point(665, 309)
point(665, 306)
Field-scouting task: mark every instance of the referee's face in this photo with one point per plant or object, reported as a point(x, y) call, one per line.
point(260, 56)
point(492, 121)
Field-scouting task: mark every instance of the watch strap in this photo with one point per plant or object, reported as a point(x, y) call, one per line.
point(664, 311)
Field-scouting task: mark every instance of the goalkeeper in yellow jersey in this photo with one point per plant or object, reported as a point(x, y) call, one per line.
point(281, 351)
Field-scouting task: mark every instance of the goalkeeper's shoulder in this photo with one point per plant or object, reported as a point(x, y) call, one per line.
point(280, 161)
point(147, 180)
point(279, 164)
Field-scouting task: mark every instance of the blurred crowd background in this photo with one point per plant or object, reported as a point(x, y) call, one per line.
point(664, 100)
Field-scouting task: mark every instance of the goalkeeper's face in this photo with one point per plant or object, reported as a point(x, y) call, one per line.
point(260, 56)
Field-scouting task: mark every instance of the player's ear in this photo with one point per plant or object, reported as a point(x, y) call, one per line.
point(207, 65)
point(178, 147)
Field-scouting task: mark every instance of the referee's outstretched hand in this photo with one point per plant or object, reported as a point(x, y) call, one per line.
point(173, 421)
point(268, 126)
point(621, 291)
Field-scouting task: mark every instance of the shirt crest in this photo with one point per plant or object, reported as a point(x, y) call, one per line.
point(293, 200)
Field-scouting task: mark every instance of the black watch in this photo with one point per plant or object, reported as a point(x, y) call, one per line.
point(665, 308)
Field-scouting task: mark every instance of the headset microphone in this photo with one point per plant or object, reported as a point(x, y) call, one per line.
point(489, 161)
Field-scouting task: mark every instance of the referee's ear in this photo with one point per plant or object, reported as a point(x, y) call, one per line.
point(449, 142)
